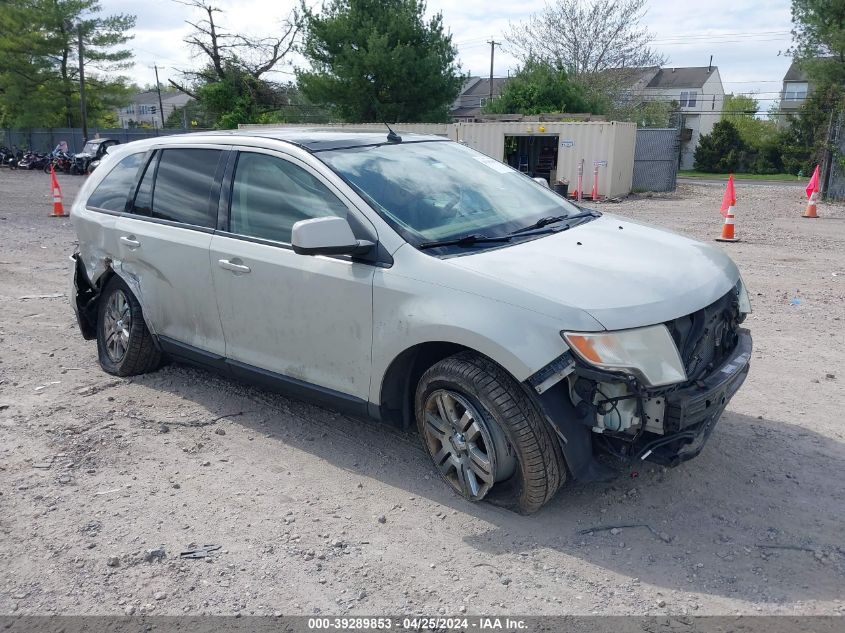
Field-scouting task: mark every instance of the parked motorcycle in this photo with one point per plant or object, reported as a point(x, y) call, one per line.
point(60, 161)
point(33, 160)
point(10, 157)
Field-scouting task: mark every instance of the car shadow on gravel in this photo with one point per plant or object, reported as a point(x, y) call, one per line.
point(757, 516)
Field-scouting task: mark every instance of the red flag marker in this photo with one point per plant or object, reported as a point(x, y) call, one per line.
point(813, 194)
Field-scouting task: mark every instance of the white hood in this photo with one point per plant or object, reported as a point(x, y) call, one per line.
point(622, 273)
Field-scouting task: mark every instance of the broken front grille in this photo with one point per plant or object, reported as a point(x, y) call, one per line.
point(705, 337)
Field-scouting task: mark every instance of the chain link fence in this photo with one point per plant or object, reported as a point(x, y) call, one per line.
point(45, 139)
point(656, 159)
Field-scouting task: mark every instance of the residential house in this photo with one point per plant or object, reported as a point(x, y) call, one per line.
point(144, 109)
point(700, 96)
point(796, 87)
point(474, 96)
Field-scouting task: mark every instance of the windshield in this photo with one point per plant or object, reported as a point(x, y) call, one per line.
point(90, 147)
point(433, 191)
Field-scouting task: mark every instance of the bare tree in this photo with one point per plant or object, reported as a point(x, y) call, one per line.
point(587, 38)
point(225, 52)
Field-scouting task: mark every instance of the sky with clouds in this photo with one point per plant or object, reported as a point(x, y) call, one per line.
point(747, 38)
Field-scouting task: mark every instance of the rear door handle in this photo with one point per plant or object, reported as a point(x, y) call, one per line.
point(234, 265)
point(130, 241)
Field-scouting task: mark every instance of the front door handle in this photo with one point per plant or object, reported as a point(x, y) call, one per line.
point(234, 265)
point(130, 241)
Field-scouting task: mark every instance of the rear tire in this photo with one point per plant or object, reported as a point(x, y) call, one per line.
point(124, 344)
point(510, 436)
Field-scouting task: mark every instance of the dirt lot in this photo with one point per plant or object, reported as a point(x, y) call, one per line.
point(320, 513)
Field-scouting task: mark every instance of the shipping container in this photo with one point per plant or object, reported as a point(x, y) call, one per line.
point(558, 151)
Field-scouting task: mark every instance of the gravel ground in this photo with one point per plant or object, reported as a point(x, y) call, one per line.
point(103, 481)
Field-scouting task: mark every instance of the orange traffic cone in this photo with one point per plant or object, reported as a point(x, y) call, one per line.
point(727, 210)
point(810, 211)
point(728, 228)
point(58, 207)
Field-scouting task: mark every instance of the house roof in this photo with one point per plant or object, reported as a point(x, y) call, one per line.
point(464, 111)
point(151, 97)
point(795, 73)
point(690, 77)
point(480, 86)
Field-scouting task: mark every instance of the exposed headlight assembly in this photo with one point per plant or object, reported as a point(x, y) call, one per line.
point(744, 299)
point(649, 353)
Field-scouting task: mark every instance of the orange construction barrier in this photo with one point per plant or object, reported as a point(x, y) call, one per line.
point(727, 210)
point(58, 207)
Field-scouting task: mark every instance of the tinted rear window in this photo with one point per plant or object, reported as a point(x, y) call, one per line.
point(183, 185)
point(112, 192)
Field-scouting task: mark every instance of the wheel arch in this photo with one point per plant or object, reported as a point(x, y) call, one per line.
point(400, 379)
point(89, 289)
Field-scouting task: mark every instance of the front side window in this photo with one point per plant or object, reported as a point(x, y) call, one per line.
point(112, 192)
point(183, 183)
point(437, 190)
point(270, 194)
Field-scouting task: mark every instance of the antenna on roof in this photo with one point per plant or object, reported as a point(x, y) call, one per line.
point(710, 65)
point(392, 137)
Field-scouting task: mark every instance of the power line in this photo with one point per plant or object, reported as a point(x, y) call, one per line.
point(720, 36)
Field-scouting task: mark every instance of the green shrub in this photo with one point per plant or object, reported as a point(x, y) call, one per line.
point(721, 151)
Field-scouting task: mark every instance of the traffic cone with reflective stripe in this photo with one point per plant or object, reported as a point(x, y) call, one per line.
point(58, 207)
point(810, 211)
point(727, 210)
point(728, 228)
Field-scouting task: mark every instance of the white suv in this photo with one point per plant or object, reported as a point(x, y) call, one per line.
point(414, 281)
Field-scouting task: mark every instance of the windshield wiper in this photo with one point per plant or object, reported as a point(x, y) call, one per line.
point(465, 240)
point(554, 219)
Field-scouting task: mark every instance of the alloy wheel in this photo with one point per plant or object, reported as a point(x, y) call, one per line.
point(470, 453)
point(117, 324)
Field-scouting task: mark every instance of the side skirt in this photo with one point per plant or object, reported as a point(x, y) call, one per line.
point(285, 385)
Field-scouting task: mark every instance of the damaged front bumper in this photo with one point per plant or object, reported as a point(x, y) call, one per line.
point(693, 410)
point(689, 412)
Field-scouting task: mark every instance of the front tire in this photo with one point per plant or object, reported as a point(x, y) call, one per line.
point(485, 437)
point(124, 344)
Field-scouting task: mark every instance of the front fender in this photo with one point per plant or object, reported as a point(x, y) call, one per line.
point(408, 312)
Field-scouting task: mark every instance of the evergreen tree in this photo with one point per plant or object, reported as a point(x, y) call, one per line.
point(39, 61)
point(380, 60)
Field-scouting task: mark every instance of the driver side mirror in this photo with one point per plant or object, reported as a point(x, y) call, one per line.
point(326, 236)
point(542, 181)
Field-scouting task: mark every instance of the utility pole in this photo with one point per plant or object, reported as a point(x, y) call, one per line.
point(493, 45)
point(158, 88)
point(82, 107)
